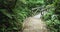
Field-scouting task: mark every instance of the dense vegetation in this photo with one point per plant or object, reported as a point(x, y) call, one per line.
point(52, 18)
point(13, 12)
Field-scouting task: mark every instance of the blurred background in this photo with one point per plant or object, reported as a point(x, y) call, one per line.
point(13, 12)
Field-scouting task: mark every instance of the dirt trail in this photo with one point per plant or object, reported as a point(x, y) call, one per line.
point(34, 24)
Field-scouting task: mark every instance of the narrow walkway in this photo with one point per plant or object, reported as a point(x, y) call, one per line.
point(34, 24)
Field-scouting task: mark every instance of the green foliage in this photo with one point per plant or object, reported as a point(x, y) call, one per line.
point(47, 2)
point(12, 22)
point(52, 17)
point(7, 3)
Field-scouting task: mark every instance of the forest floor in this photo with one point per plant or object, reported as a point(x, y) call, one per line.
point(31, 23)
